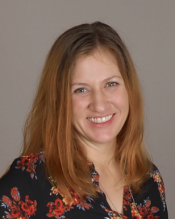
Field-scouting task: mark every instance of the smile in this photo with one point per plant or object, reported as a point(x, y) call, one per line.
point(100, 120)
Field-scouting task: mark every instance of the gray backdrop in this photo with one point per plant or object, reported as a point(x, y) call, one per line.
point(29, 28)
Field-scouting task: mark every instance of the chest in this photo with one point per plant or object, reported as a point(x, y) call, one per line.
point(51, 203)
point(114, 197)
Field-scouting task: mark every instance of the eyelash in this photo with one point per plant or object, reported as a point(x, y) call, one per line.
point(79, 90)
point(113, 84)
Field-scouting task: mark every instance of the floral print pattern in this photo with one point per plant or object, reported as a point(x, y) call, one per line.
point(56, 209)
point(28, 163)
point(56, 205)
point(158, 179)
point(146, 211)
point(65, 204)
point(16, 208)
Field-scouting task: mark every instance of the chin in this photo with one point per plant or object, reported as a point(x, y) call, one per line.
point(103, 140)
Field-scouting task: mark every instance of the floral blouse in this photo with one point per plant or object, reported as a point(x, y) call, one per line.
point(25, 192)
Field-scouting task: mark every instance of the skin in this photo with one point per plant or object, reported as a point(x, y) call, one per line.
point(98, 90)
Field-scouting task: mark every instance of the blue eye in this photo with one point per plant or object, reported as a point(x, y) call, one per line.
point(111, 84)
point(79, 90)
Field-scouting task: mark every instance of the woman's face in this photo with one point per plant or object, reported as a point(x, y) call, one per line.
point(100, 103)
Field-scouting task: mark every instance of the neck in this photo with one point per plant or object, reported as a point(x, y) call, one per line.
point(102, 155)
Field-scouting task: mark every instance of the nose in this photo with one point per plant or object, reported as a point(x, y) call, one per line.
point(99, 102)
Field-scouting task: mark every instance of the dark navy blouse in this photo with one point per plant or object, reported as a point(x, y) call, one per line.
point(26, 193)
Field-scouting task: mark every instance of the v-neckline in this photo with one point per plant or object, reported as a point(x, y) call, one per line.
point(127, 197)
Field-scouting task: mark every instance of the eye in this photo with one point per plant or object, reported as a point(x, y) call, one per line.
point(111, 84)
point(80, 90)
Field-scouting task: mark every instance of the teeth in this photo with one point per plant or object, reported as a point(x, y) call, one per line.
point(100, 120)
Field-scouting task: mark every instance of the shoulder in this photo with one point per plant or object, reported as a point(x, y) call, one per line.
point(157, 179)
point(152, 195)
point(22, 169)
point(29, 163)
point(158, 184)
point(156, 176)
point(25, 167)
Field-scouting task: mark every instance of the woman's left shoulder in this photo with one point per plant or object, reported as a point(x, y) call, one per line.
point(153, 194)
point(156, 180)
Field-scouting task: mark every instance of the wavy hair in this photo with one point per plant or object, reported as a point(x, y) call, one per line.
point(49, 124)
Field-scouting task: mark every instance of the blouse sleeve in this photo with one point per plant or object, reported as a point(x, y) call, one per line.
point(158, 192)
point(151, 202)
point(18, 190)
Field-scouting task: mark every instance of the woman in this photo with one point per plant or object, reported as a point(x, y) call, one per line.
point(83, 153)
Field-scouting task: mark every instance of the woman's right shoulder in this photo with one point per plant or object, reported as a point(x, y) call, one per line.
point(28, 163)
point(23, 168)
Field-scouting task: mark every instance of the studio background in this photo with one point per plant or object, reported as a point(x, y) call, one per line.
point(29, 28)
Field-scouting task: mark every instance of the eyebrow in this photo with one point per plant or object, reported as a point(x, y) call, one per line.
point(107, 79)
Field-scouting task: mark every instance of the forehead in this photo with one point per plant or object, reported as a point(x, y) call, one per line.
point(101, 55)
point(98, 62)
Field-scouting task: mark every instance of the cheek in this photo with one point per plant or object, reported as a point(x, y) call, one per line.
point(122, 100)
point(76, 101)
point(78, 107)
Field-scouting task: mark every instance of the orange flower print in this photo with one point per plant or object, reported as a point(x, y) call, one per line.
point(28, 163)
point(16, 208)
point(55, 209)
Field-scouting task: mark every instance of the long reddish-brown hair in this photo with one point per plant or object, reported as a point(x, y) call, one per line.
point(49, 124)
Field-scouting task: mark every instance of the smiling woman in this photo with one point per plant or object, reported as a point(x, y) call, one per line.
point(83, 154)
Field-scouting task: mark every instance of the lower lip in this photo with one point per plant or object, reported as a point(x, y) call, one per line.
point(101, 125)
